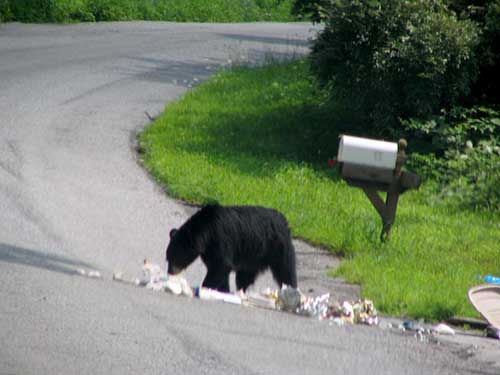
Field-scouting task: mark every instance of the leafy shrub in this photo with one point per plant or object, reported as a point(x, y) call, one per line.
point(32, 10)
point(473, 177)
point(309, 8)
point(463, 155)
point(486, 14)
point(5, 13)
point(50, 10)
point(113, 10)
point(388, 59)
point(71, 11)
point(489, 54)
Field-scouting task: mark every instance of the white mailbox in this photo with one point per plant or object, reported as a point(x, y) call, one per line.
point(367, 159)
point(375, 166)
point(369, 152)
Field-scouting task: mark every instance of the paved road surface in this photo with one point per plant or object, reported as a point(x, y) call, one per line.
point(72, 195)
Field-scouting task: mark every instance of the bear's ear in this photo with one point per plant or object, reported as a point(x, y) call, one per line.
point(172, 233)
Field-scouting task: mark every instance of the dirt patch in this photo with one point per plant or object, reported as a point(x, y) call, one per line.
point(313, 265)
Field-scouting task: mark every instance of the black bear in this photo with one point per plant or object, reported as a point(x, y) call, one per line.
point(244, 239)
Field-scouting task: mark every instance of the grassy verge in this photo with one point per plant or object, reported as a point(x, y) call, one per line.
point(156, 10)
point(263, 137)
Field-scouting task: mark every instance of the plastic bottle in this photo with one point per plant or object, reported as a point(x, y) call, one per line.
point(492, 279)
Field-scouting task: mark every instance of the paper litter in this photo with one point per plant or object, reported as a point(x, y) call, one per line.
point(443, 329)
point(292, 300)
point(285, 299)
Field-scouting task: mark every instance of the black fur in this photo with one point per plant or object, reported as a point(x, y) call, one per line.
point(244, 239)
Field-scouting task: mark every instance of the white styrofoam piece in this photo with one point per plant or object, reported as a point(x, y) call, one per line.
point(369, 152)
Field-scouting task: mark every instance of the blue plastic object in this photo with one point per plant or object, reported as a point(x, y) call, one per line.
point(492, 279)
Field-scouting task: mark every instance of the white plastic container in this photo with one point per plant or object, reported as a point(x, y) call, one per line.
point(211, 294)
point(367, 152)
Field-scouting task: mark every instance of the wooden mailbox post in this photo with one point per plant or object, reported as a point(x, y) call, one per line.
point(376, 166)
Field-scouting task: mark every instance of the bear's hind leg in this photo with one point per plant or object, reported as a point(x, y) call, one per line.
point(284, 269)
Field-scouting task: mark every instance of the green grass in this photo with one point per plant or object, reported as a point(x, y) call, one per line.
point(156, 10)
point(262, 136)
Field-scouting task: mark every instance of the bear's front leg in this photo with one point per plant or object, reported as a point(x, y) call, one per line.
point(245, 279)
point(217, 278)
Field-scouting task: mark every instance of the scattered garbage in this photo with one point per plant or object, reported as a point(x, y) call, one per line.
point(417, 326)
point(292, 300)
point(443, 329)
point(81, 272)
point(178, 285)
point(339, 322)
point(408, 325)
point(491, 279)
point(316, 307)
point(493, 332)
point(93, 274)
point(151, 274)
point(152, 277)
point(288, 299)
point(215, 295)
point(261, 300)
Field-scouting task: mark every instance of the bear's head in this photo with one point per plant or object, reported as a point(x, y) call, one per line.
point(180, 251)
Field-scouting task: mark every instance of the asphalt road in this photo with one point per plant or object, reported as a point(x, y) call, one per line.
point(72, 195)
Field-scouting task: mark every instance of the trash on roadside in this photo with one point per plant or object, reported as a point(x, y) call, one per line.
point(493, 332)
point(120, 277)
point(339, 322)
point(292, 300)
point(178, 285)
point(315, 307)
point(365, 312)
point(285, 299)
point(443, 329)
point(490, 279)
point(152, 277)
point(81, 271)
point(347, 312)
point(93, 274)
point(215, 295)
point(408, 325)
point(258, 300)
point(289, 299)
point(152, 273)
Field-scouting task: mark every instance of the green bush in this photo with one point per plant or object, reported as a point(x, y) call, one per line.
point(461, 151)
point(486, 14)
point(113, 10)
point(310, 8)
point(5, 13)
point(50, 10)
point(387, 59)
point(489, 55)
point(32, 10)
point(71, 11)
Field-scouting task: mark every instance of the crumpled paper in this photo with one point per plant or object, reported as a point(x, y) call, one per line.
point(285, 299)
point(292, 300)
point(152, 277)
